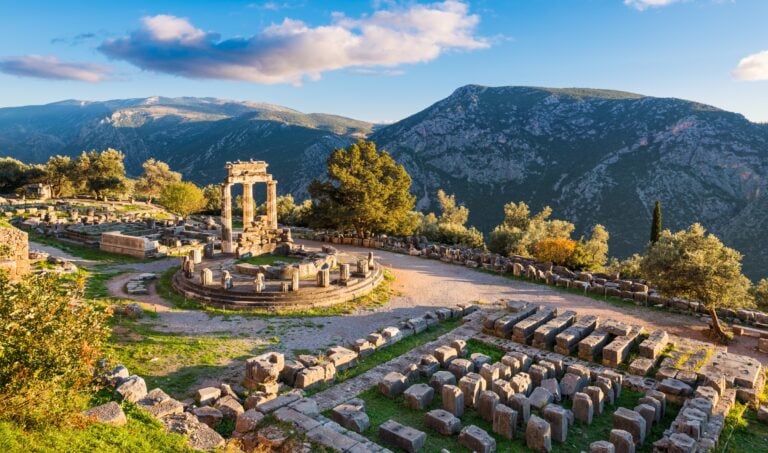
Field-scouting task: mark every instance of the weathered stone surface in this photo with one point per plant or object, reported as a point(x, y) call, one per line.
point(538, 434)
point(655, 404)
point(598, 398)
point(331, 438)
point(490, 374)
point(306, 406)
point(601, 446)
point(558, 418)
point(392, 384)
point(230, 408)
point(460, 346)
point(606, 385)
point(583, 408)
point(503, 389)
point(538, 373)
point(572, 383)
point(554, 388)
point(617, 380)
point(513, 363)
point(622, 440)
point(428, 365)
point(641, 366)
point(453, 400)
point(363, 347)
point(540, 397)
point(460, 367)
point(618, 350)
point(486, 404)
point(522, 332)
point(762, 414)
point(544, 336)
point(376, 339)
point(674, 387)
point(110, 413)
point(303, 422)
point(159, 404)
point(648, 413)
point(471, 385)
point(522, 405)
point(309, 377)
point(207, 396)
point(351, 415)
point(566, 342)
point(342, 358)
point(504, 421)
point(441, 378)
point(278, 402)
point(405, 437)
point(523, 359)
point(521, 382)
point(478, 360)
point(256, 399)
point(445, 354)
point(419, 396)
point(200, 436)
point(477, 440)
point(132, 388)
point(652, 346)
point(116, 376)
point(591, 347)
point(630, 421)
point(682, 443)
point(246, 422)
point(209, 415)
point(443, 422)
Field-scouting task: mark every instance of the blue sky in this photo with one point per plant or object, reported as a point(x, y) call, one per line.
point(382, 60)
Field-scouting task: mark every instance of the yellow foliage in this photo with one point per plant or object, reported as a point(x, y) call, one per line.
point(556, 250)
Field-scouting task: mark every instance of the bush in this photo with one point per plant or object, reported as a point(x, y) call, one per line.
point(49, 343)
point(503, 240)
point(556, 250)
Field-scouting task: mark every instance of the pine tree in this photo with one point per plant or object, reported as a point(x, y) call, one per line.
point(656, 223)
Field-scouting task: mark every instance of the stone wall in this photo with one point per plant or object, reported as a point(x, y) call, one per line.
point(136, 246)
point(14, 252)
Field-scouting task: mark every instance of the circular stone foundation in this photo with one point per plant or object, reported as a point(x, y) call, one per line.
point(243, 296)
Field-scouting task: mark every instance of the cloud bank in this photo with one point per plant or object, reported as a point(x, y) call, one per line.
point(51, 68)
point(292, 51)
point(753, 67)
point(645, 4)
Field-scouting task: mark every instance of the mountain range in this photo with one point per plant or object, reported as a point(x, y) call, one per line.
point(594, 156)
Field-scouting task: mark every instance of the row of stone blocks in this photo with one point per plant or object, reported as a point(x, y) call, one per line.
point(545, 328)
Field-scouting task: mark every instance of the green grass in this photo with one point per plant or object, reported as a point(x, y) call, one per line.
point(96, 285)
point(376, 298)
point(174, 361)
point(83, 251)
point(743, 432)
point(142, 434)
point(384, 355)
point(381, 409)
point(268, 260)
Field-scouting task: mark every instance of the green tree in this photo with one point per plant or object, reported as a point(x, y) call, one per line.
point(103, 172)
point(14, 174)
point(656, 223)
point(365, 190)
point(450, 212)
point(49, 343)
point(212, 194)
point(182, 198)
point(591, 254)
point(694, 265)
point(157, 175)
point(760, 293)
point(59, 174)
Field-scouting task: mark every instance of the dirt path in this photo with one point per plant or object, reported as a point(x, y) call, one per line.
point(420, 285)
point(54, 251)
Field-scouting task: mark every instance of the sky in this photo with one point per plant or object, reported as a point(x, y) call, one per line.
point(382, 60)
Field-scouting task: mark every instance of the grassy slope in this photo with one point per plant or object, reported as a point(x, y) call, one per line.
point(83, 251)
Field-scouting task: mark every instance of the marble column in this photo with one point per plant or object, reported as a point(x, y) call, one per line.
point(227, 245)
point(272, 204)
point(247, 205)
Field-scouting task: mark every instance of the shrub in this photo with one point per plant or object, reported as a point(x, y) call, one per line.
point(556, 250)
point(49, 343)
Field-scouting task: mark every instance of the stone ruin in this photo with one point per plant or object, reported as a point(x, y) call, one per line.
point(14, 252)
point(260, 234)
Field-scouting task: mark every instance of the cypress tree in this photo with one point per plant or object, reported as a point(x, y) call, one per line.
point(656, 223)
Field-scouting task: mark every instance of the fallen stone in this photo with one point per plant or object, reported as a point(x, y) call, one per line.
point(407, 438)
point(630, 421)
point(598, 398)
point(230, 408)
point(271, 437)
point(558, 419)
point(503, 389)
point(443, 422)
point(207, 396)
point(540, 398)
point(478, 360)
point(583, 408)
point(441, 378)
point(132, 389)
point(460, 367)
point(538, 435)
point(648, 413)
point(486, 404)
point(245, 422)
point(159, 404)
point(392, 384)
point(209, 415)
point(622, 440)
point(504, 421)
point(453, 400)
point(521, 382)
point(522, 405)
point(428, 365)
point(200, 436)
point(471, 385)
point(601, 446)
point(110, 413)
point(419, 396)
point(445, 354)
point(477, 440)
point(351, 415)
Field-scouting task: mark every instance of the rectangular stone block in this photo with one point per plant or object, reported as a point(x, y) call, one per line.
point(505, 421)
point(591, 347)
point(523, 330)
point(400, 436)
point(652, 346)
point(566, 342)
point(544, 336)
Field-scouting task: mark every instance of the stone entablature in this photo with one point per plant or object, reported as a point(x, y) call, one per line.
point(136, 246)
point(14, 252)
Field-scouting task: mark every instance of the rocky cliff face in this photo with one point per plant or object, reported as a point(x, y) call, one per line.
point(595, 156)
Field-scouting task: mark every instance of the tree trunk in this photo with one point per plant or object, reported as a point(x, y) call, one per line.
point(715, 325)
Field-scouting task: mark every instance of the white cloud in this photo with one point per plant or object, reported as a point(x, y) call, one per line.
point(292, 51)
point(45, 67)
point(753, 67)
point(645, 4)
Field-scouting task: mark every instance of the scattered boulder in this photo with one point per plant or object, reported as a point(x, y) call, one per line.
point(209, 415)
point(246, 422)
point(110, 413)
point(477, 440)
point(132, 389)
point(351, 415)
point(443, 422)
